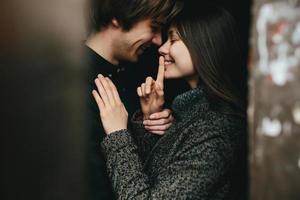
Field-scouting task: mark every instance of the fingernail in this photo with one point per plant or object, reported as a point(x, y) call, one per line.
point(145, 122)
point(100, 75)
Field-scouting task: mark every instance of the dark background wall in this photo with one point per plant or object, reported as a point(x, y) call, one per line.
point(274, 108)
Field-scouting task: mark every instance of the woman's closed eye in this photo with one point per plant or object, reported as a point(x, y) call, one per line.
point(173, 36)
point(173, 39)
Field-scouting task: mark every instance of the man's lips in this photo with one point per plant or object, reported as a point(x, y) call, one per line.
point(144, 47)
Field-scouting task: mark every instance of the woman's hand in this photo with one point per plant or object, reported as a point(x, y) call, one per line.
point(159, 123)
point(113, 113)
point(151, 92)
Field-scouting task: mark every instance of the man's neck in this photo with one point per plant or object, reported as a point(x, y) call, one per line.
point(102, 44)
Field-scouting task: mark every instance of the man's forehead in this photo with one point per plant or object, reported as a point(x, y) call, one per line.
point(159, 21)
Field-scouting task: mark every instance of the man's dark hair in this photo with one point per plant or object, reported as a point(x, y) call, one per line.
point(129, 12)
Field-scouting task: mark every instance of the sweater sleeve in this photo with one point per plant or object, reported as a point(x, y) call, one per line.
point(144, 139)
point(194, 173)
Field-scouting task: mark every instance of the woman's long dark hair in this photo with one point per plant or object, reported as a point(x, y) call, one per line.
point(210, 34)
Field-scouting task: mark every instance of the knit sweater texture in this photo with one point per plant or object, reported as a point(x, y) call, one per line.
point(195, 159)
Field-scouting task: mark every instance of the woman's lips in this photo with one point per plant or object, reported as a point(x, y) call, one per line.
point(168, 62)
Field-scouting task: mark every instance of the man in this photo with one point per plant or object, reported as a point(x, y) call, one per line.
point(121, 31)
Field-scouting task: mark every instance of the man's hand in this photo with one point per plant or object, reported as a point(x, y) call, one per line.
point(151, 92)
point(159, 123)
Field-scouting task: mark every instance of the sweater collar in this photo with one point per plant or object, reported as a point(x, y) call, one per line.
point(186, 105)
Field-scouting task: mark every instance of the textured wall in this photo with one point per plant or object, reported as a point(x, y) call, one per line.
point(274, 111)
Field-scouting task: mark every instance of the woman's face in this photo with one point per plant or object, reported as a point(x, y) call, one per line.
point(178, 62)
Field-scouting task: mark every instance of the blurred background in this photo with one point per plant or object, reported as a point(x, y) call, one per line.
point(42, 126)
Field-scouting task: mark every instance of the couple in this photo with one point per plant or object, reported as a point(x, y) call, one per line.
point(198, 156)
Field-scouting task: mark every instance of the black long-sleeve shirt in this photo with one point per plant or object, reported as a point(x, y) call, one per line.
point(98, 179)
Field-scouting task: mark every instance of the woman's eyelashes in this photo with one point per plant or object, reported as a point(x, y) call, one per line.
point(173, 39)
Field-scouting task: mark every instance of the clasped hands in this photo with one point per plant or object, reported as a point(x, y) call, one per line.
point(113, 113)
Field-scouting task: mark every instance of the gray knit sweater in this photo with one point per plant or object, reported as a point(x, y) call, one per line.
point(195, 159)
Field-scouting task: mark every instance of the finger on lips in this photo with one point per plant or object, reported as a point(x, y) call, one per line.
point(161, 72)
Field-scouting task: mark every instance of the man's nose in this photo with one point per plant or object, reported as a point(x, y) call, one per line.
point(157, 40)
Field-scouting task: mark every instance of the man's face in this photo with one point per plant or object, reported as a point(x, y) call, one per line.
point(133, 43)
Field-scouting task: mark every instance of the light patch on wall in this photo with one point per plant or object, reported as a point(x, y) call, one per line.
point(296, 34)
point(271, 128)
point(276, 24)
point(287, 128)
point(296, 112)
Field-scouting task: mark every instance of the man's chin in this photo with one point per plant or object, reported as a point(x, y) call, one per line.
point(135, 57)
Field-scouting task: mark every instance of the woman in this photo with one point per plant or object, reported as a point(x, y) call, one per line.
point(198, 156)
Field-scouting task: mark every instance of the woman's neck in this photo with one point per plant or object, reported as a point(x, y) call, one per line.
point(193, 81)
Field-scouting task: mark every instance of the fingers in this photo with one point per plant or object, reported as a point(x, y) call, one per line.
point(98, 100)
point(139, 91)
point(102, 92)
point(143, 86)
point(146, 88)
point(161, 72)
point(160, 122)
point(148, 84)
point(163, 121)
point(107, 89)
point(159, 91)
point(158, 129)
point(114, 91)
point(158, 132)
point(163, 114)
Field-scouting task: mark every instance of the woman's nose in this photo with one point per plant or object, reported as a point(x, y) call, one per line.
point(164, 49)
